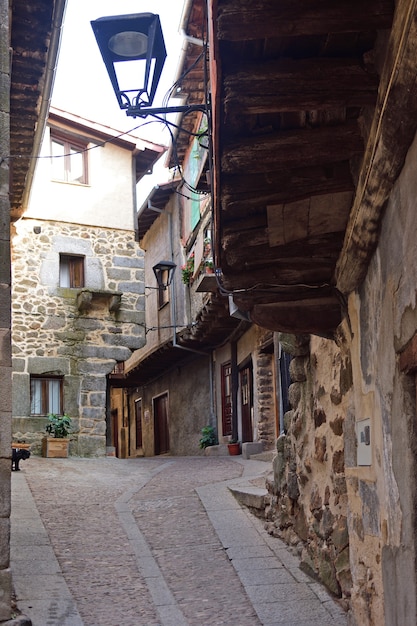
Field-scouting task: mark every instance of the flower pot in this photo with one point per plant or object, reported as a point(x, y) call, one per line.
point(234, 448)
point(54, 448)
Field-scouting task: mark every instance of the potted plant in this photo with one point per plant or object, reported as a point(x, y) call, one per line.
point(57, 443)
point(187, 270)
point(209, 266)
point(208, 437)
point(234, 447)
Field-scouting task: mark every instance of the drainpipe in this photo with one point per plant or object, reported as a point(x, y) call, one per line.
point(52, 59)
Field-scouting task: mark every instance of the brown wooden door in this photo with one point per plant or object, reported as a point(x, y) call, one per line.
point(161, 431)
point(115, 430)
point(246, 403)
point(138, 423)
point(226, 374)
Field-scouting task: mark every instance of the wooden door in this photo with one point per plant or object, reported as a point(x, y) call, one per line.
point(246, 402)
point(161, 431)
point(115, 430)
point(226, 374)
point(138, 423)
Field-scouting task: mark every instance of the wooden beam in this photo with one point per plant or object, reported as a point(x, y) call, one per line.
point(248, 249)
point(299, 85)
point(259, 19)
point(247, 194)
point(306, 146)
point(282, 272)
point(318, 317)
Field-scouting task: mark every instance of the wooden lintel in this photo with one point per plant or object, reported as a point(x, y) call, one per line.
point(299, 85)
point(248, 20)
point(307, 146)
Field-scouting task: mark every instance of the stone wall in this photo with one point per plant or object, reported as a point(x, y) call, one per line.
point(307, 503)
point(264, 377)
point(78, 334)
point(5, 322)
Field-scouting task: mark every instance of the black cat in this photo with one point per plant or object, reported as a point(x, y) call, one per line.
point(19, 454)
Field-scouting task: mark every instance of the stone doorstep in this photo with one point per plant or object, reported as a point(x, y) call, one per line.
point(252, 497)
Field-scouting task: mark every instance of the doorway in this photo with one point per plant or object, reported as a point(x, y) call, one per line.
point(161, 430)
point(226, 382)
point(138, 424)
point(246, 402)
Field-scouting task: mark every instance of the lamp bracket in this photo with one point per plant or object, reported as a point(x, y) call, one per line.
point(137, 111)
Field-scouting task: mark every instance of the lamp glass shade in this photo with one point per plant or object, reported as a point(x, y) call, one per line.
point(129, 44)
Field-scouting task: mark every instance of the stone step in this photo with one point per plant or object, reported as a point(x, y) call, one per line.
point(252, 497)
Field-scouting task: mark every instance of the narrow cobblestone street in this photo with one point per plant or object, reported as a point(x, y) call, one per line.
point(152, 542)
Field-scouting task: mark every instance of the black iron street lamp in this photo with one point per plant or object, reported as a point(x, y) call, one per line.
point(164, 273)
point(133, 49)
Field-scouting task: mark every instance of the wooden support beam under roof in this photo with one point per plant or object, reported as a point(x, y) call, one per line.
point(301, 85)
point(309, 146)
point(244, 20)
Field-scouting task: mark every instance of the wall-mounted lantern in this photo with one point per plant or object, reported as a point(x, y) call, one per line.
point(164, 273)
point(134, 53)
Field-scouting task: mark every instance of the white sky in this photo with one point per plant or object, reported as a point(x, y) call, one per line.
point(82, 85)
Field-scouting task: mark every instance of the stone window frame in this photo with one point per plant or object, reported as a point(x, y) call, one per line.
point(46, 408)
point(75, 266)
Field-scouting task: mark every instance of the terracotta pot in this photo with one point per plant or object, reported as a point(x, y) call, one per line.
point(234, 448)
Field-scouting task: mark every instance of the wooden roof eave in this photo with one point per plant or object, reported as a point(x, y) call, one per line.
point(321, 314)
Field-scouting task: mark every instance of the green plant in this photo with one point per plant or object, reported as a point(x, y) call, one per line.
point(59, 426)
point(209, 264)
point(187, 270)
point(208, 437)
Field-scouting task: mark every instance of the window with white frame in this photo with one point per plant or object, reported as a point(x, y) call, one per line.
point(69, 159)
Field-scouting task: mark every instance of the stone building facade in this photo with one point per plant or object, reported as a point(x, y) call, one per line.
point(76, 334)
point(78, 290)
point(343, 488)
point(307, 504)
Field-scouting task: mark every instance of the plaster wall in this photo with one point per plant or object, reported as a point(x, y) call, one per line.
point(161, 243)
point(189, 406)
point(52, 334)
point(108, 200)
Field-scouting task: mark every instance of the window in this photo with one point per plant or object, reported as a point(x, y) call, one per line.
point(71, 271)
point(45, 395)
point(69, 160)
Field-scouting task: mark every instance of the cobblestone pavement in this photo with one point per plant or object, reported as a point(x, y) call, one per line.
point(151, 542)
